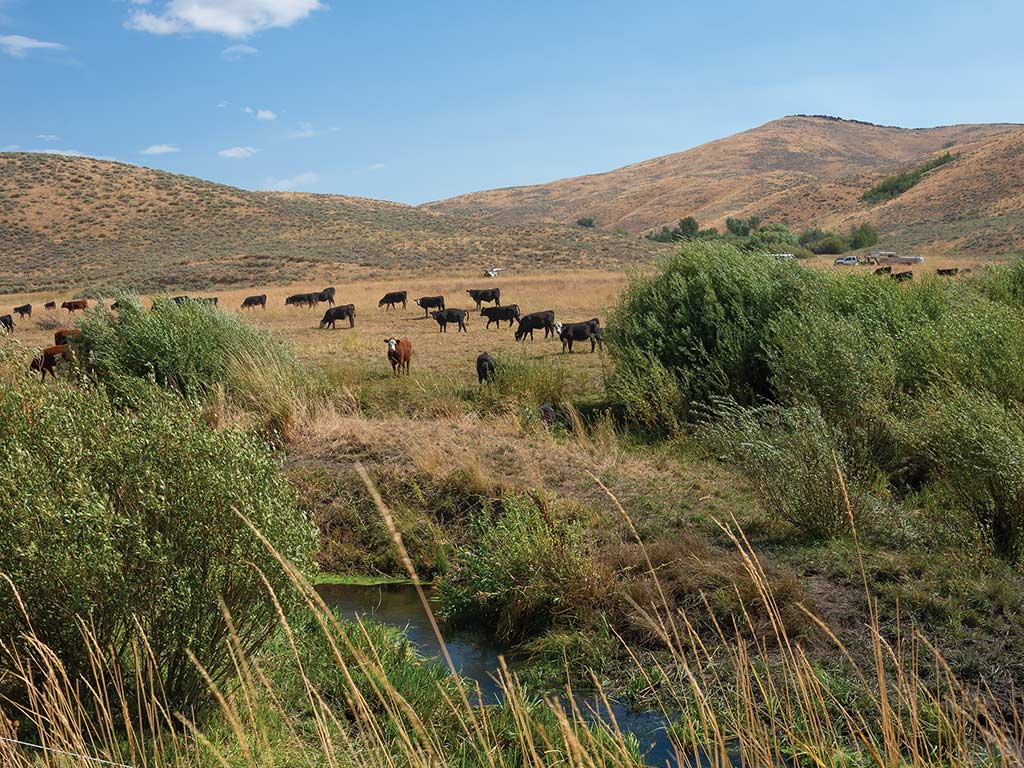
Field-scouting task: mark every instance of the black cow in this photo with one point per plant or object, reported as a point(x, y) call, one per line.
point(300, 299)
point(327, 294)
point(883, 271)
point(25, 310)
point(485, 368)
point(429, 302)
point(482, 295)
point(394, 298)
point(498, 314)
point(951, 272)
point(255, 301)
point(589, 329)
point(343, 312)
point(445, 316)
point(179, 300)
point(7, 323)
point(50, 305)
point(903, 276)
point(534, 322)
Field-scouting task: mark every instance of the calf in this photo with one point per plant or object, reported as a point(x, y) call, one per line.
point(343, 312)
point(393, 298)
point(483, 295)
point(534, 322)
point(75, 304)
point(498, 314)
point(445, 316)
point(25, 310)
point(327, 294)
point(63, 335)
point(952, 272)
point(589, 329)
point(485, 368)
point(47, 360)
point(429, 302)
point(50, 305)
point(7, 323)
point(300, 299)
point(255, 301)
point(883, 271)
point(903, 276)
point(399, 353)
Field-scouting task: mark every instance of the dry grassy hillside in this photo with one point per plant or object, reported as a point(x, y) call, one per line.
point(802, 170)
point(70, 222)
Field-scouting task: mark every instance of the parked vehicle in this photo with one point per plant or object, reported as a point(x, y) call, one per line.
point(846, 261)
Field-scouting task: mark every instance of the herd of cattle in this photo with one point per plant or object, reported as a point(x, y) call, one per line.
point(399, 351)
point(909, 273)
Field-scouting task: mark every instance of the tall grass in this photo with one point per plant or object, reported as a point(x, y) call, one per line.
point(336, 694)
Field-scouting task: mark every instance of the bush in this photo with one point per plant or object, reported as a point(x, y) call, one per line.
point(192, 348)
point(586, 221)
point(897, 185)
point(863, 236)
point(132, 527)
point(790, 456)
point(523, 573)
point(534, 382)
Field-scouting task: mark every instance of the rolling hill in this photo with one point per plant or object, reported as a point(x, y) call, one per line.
point(805, 171)
point(74, 222)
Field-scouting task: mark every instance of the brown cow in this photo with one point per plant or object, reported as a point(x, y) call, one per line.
point(75, 304)
point(61, 335)
point(399, 353)
point(48, 359)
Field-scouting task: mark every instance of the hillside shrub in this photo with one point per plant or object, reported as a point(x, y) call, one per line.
point(523, 573)
point(125, 516)
point(896, 185)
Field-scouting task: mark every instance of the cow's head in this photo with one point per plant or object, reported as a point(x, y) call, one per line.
point(558, 328)
point(392, 343)
point(416, 302)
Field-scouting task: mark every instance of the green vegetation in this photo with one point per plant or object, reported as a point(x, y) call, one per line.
point(586, 221)
point(897, 185)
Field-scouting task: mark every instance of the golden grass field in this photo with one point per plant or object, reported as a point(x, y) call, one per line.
point(360, 352)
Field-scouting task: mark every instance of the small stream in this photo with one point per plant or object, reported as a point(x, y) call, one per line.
point(476, 658)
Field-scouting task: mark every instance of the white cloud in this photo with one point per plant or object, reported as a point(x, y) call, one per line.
point(48, 136)
point(238, 153)
point(304, 131)
point(232, 18)
point(159, 149)
point(265, 114)
point(307, 179)
point(19, 45)
point(237, 52)
point(222, 104)
point(376, 166)
point(247, 110)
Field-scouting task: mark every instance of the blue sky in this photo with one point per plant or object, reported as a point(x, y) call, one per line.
point(420, 101)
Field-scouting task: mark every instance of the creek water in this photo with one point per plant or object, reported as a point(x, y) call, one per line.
point(477, 659)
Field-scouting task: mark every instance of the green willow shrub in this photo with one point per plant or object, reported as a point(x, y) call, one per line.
point(523, 573)
point(972, 448)
point(124, 515)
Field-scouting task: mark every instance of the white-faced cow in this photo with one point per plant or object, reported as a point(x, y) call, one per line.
point(534, 322)
point(429, 302)
point(393, 298)
point(445, 316)
point(498, 314)
point(485, 295)
point(341, 312)
point(399, 355)
point(589, 329)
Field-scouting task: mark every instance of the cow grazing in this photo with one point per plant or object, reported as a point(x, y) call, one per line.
point(393, 298)
point(571, 332)
point(7, 323)
point(303, 299)
point(498, 314)
point(50, 305)
point(903, 276)
point(445, 316)
point(485, 295)
point(399, 354)
point(75, 304)
point(251, 302)
point(951, 272)
point(883, 271)
point(25, 310)
point(486, 366)
point(534, 322)
point(327, 294)
point(342, 312)
point(48, 359)
point(64, 335)
point(429, 302)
